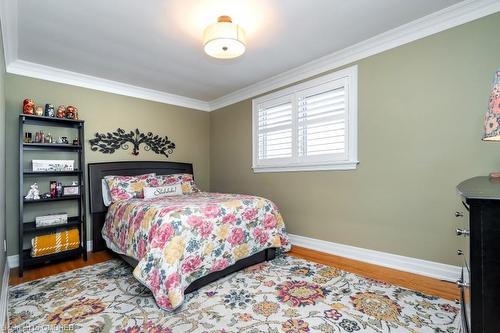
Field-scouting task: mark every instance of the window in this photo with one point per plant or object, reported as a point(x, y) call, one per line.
point(309, 126)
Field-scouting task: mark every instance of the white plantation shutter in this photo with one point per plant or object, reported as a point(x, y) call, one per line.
point(322, 123)
point(311, 126)
point(275, 130)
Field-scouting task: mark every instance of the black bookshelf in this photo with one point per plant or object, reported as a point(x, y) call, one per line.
point(51, 173)
point(31, 227)
point(52, 121)
point(28, 260)
point(28, 229)
point(66, 197)
point(50, 146)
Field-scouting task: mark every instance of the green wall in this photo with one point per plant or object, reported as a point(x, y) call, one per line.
point(421, 109)
point(102, 112)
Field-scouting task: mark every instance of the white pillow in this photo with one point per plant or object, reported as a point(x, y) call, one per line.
point(106, 193)
point(162, 191)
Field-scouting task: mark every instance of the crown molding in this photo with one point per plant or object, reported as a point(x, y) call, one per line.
point(13, 65)
point(444, 19)
point(25, 68)
point(8, 24)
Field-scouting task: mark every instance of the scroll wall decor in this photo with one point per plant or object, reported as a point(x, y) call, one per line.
point(110, 142)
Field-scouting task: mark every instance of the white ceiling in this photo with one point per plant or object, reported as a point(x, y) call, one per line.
point(152, 49)
point(156, 44)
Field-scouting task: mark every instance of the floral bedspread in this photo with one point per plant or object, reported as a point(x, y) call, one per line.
point(180, 239)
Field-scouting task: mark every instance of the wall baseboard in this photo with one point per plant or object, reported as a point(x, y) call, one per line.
point(407, 264)
point(4, 299)
point(13, 260)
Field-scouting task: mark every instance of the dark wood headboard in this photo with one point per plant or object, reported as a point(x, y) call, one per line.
point(97, 171)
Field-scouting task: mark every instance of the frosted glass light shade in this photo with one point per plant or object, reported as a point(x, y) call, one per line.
point(224, 39)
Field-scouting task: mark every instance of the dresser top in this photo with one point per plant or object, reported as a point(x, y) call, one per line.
point(482, 187)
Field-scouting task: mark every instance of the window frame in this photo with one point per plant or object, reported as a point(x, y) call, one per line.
point(349, 78)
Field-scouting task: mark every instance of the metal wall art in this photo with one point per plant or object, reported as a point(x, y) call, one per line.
point(110, 142)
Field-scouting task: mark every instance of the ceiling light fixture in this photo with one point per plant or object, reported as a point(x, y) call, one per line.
point(224, 39)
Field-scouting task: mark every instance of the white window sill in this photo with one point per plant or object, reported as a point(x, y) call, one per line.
point(349, 165)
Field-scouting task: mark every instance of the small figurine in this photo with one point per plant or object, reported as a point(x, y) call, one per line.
point(39, 137)
point(28, 106)
point(38, 111)
point(27, 137)
point(49, 110)
point(59, 140)
point(76, 142)
point(71, 112)
point(59, 189)
point(65, 140)
point(48, 138)
point(33, 193)
point(61, 111)
point(53, 189)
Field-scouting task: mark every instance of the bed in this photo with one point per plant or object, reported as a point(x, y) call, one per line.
point(198, 221)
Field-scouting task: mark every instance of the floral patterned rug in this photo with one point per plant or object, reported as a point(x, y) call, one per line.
point(287, 295)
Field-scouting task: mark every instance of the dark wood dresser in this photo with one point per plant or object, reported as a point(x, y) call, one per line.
point(480, 280)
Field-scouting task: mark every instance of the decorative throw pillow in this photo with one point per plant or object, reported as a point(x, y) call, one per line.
point(185, 179)
point(162, 191)
point(127, 187)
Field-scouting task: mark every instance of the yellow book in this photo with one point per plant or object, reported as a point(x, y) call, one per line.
point(54, 243)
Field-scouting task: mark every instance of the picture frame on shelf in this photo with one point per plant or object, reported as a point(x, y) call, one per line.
point(70, 190)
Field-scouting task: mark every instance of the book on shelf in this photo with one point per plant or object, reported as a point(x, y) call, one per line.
point(51, 219)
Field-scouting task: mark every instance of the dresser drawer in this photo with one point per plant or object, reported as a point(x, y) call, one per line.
point(465, 300)
point(464, 320)
point(462, 231)
point(464, 251)
point(463, 284)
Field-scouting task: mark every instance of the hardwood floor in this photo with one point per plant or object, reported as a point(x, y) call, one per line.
point(427, 285)
point(64, 266)
point(421, 283)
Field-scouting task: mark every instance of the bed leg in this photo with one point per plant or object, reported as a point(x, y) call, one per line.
point(270, 254)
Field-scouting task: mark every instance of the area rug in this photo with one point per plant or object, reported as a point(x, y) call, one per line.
point(287, 295)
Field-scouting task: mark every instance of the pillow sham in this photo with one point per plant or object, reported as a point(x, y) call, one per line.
point(127, 187)
point(185, 179)
point(106, 193)
point(162, 191)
